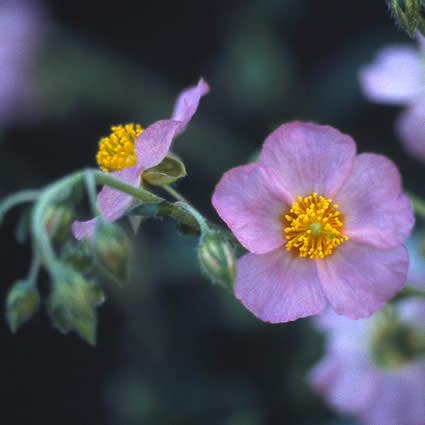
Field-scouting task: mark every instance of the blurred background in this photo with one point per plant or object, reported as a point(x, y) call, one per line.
point(173, 349)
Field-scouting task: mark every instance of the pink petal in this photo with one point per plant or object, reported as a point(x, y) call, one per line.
point(279, 287)
point(375, 211)
point(358, 279)
point(346, 380)
point(112, 203)
point(188, 101)
point(154, 143)
point(84, 229)
point(304, 158)
point(344, 334)
point(399, 399)
point(410, 127)
point(396, 76)
point(251, 207)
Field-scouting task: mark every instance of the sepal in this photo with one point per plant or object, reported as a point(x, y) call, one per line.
point(72, 303)
point(78, 254)
point(168, 171)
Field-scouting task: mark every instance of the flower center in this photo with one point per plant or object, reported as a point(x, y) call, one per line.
point(313, 227)
point(117, 151)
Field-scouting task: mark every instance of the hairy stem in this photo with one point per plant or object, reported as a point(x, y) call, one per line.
point(16, 199)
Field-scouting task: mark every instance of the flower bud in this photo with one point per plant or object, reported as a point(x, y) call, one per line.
point(169, 170)
point(73, 301)
point(408, 13)
point(58, 222)
point(217, 259)
point(78, 255)
point(22, 303)
point(112, 251)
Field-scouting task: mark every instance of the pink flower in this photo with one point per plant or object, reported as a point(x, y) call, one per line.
point(21, 24)
point(321, 224)
point(397, 77)
point(149, 149)
point(374, 368)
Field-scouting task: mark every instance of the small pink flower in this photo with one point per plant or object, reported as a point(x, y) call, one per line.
point(374, 369)
point(150, 148)
point(397, 77)
point(321, 224)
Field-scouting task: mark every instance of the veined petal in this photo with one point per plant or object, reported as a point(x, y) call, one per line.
point(396, 76)
point(154, 143)
point(410, 128)
point(303, 158)
point(374, 208)
point(249, 204)
point(279, 287)
point(348, 389)
point(112, 203)
point(358, 279)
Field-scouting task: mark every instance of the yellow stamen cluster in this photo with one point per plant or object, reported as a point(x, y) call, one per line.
point(313, 227)
point(116, 151)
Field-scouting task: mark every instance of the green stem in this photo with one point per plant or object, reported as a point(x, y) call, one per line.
point(16, 199)
point(176, 195)
point(203, 225)
point(41, 238)
point(35, 268)
point(418, 205)
point(48, 195)
point(91, 191)
point(136, 192)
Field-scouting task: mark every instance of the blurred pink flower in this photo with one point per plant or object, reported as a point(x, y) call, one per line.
point(151, 147)
point(21, 27)
point(321, 224)
point(397, 77)
point(374, 368)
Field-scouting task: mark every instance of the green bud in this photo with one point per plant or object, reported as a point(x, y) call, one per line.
point(58, 221)
point(168, 171)
point(22, 303)
point(73, 301)
point(78, 255)
point(408, 13)
point(217, 259)
point(112, 251)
